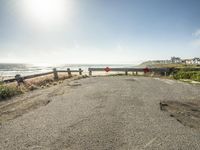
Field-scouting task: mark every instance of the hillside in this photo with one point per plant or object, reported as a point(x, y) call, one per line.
point(154, 64)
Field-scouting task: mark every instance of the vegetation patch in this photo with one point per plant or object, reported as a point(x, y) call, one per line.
point(186, 74)
point(7, 91)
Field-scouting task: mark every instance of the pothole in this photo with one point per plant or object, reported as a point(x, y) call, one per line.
point(130, 79)
point(187, 113)
point(74, 84)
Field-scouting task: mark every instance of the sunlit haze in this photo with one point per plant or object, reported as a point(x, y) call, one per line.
point(98, 31)
point(45, 13)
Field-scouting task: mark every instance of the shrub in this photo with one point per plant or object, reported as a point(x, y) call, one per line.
point(192, 75)
point(7, 91)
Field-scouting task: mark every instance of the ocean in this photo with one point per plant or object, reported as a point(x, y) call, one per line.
point(10, 70)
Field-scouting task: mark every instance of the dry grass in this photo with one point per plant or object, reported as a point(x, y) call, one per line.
point(11, 89)
point(44, 80)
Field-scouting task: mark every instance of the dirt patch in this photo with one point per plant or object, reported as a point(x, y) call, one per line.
point(18, 108)
point(187, 113)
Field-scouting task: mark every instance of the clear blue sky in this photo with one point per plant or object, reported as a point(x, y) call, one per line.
point(98, 31)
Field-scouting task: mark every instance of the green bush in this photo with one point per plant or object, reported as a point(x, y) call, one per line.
point(192, 75)
point(8, 91)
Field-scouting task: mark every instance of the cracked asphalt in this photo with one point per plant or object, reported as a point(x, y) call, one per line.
point(105, 113)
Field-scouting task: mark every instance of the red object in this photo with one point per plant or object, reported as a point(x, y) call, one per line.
point(107, 69)
point(146, 70)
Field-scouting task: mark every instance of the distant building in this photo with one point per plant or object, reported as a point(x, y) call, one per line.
point(176, 60)
point(187, 61)
point(196, 61)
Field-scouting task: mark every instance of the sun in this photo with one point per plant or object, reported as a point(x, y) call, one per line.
point(46, 13)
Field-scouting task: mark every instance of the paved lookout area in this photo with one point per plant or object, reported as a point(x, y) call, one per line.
point(104, 113)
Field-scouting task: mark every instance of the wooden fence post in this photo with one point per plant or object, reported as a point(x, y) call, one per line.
point(90, 72)
point(69, 72)
point(126, 72)
point(80, 71)
point(55, 73)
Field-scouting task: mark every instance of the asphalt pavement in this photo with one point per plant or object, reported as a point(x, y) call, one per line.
point(105, 113)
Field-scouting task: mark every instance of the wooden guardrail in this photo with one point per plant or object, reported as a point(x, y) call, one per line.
point(54, 72)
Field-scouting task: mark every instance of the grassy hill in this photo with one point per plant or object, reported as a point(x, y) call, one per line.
point(154, 64)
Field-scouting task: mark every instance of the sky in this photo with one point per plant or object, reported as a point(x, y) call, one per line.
point(98, 31)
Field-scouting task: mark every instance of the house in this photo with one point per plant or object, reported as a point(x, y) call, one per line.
point(187, 61)
point(176, 60)
point(196, 61)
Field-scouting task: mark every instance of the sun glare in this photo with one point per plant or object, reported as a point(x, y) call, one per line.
point(46, 13)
